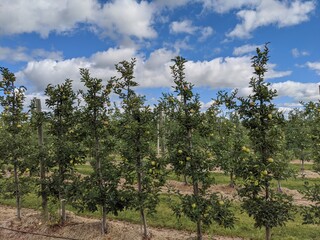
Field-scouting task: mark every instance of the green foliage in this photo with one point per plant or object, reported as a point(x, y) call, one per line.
point(190, 155)
point(64, 151)
point(265, 161)
point(14, 147)
point(139, 162)
point(101, 187)
point(311, 214)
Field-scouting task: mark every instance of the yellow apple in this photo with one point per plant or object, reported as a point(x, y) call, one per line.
point(270, 160)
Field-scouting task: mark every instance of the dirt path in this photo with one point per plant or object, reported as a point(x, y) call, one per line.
point(231, 193)
point(81, 228)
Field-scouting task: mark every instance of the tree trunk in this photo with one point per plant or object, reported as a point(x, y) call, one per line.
point(17, 189)
point(44, 197)
point(302, 167)
point(142, 214)
point(232, 184)
point(279, 186)
point(104, 228)
point(185, 179)
point(63, 211)
point(196, 193)
point(268, 233)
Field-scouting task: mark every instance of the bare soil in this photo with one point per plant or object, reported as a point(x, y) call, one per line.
point(80, 228)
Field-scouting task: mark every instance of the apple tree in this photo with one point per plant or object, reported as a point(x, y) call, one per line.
point(189, 154)
point(140, 164)
point(311, 214)
point(64, 151)
point(298, 136)
point(101, 188)
point(263, 121)
point(14, 147)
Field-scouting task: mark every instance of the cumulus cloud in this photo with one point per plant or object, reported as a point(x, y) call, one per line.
point(170, 4)
point(151, 71)
point(267, 12)
point(297, 90)
point(22, 54)
point(184, 26)
point(205, 33)
point(245, 49)
point(222, 6)
point(314, 66)
point(119, 17)
point(297, 53)
point(126, 17)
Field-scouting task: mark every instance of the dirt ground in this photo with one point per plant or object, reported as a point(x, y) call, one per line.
point(81, 228)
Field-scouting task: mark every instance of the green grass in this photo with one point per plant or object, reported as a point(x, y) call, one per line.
point(164, 218)
point(84, 169)
point(297, 167)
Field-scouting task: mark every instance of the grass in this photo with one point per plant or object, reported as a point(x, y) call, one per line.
point(164, 218)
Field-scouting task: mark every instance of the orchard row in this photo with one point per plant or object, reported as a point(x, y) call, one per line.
point(133, 148)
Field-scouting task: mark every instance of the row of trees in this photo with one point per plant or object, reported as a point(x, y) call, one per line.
point(250, 144)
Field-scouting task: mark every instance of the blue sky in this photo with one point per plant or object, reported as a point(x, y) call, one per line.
point(47, 41)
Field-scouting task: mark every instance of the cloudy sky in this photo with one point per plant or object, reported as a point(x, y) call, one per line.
point(47, 41)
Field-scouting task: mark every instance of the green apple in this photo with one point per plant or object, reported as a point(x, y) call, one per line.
point(270, 116)
point(153, 163)
point(270, 160)
point(180, 151)
point(221, 203)
point(19, 126)
point(188, 158)
point(193, 205)
point(264, 172)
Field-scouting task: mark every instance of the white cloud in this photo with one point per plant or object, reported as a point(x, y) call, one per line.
point(126, 17)
point(151, 72)
point(267, 12)
point(314, 66)
point(184, 26)
point(297, 53)
point(205, 33)
point(22, 54)
point(170, 4)
point(43, 16)
point(245, 49)
point(297, 90)
point(222, 6)
point(119, 17)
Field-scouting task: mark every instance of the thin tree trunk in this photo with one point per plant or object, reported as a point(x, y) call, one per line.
point(279, 186)
point(63, 211)
point(232, 184)
point(185, 179)
point(268, 229)
point(142, 214)
point(17, 188)
point(44, 197)
point(302, 166)
point(268, 233)
point(104, 228)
